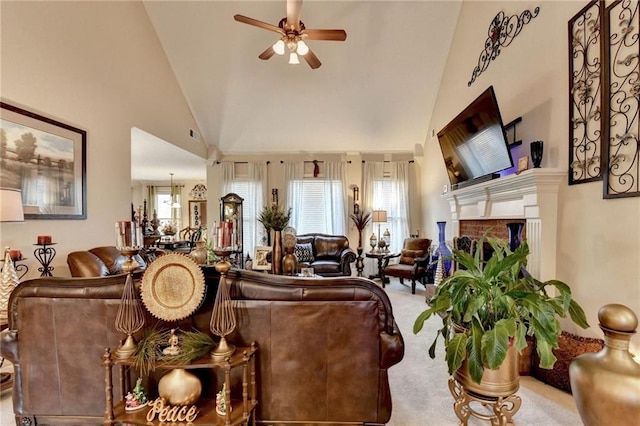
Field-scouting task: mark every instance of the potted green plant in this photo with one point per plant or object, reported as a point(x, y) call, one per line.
point(488, 307)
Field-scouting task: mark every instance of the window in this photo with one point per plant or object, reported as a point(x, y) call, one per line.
point(318, 206)
point(165, 212)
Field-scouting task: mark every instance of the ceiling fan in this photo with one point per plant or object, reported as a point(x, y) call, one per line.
point(293, 34)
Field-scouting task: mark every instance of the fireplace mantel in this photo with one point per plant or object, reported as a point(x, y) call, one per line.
point(531, 195)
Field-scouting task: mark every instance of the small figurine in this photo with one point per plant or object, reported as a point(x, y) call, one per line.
point(173, 348)
point(137, 398)
point(221, 402)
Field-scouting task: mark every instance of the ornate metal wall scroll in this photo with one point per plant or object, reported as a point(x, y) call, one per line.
point(502, 30)
point(585, 94)
point(621, 148)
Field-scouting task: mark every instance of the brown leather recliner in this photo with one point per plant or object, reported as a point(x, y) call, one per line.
point(413, 262)
point(100, 262)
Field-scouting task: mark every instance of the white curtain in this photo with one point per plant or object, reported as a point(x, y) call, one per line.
point(253, 189)
point(335, 195)
point(227, 169)
point(293, 177)
point(385, 187)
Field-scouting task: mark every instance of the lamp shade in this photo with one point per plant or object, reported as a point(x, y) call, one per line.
point(11, 205)
point(379, 216)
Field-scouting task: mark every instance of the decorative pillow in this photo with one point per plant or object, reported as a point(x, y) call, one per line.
point(408, 257)
point(304, 252)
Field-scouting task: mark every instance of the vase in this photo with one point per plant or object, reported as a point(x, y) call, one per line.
point(606, 385)
point(536, 153)
point(199, 254)
point(180, 387)
point(276, 260)
point(289, 264)
point(515, 234)
point(443, 250)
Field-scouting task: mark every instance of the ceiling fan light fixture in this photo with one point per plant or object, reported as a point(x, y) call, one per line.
point(302, 48)
point(293, 58)
point(278, 47)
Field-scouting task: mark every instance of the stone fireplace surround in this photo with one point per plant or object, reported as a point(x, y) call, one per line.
point(531, 196)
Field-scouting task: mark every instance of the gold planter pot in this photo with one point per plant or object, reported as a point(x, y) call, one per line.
point(504, 381)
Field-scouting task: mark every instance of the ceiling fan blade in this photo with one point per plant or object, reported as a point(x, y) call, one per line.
point(268, 53)
point(256, 23)
point(312, 59)
point(293, 13)
point(330, 35)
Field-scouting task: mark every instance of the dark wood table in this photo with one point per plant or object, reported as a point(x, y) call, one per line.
point(383, 261)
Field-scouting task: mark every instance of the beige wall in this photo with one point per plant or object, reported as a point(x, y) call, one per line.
point(598, 240)
point(97, 66)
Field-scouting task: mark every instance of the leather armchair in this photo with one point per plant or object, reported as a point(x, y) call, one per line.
point(412, 263)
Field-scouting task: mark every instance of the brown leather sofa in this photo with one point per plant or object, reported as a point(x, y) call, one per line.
point(324, 347)
point(332, 256)
point(99, 262)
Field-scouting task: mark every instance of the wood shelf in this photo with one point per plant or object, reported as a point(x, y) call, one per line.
point(242, 408)
point(206, 414)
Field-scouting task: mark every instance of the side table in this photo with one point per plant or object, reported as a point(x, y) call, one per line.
point(383, 261)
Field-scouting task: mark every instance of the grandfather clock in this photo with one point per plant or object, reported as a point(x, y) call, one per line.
point(231, 212)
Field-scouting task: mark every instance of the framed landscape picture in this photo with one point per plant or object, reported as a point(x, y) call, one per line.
point(46, 160)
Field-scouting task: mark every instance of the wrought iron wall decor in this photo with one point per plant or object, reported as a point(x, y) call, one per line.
point(621, 55)
point(502, 30)
point(585, 94)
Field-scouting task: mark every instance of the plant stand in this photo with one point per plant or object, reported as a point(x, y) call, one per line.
point(499, 410)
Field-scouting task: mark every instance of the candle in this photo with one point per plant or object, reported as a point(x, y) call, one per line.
point(44, 239)
point(15, 255)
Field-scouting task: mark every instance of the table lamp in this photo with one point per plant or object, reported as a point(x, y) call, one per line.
point(379, 217)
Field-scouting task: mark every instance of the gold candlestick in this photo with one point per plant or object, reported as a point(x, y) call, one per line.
point(223, 319)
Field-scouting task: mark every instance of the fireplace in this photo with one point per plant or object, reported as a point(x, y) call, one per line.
point(530, 197)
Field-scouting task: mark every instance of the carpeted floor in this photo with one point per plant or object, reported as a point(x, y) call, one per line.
point(419, 386)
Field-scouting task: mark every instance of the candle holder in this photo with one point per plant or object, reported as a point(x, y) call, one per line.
point(130, 316)
point(223, 318)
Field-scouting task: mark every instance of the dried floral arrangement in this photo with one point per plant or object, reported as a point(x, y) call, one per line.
point(274, 217)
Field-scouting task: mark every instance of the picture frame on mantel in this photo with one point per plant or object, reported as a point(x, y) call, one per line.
point(46, 160)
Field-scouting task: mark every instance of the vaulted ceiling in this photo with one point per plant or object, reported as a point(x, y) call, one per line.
point(373, 93)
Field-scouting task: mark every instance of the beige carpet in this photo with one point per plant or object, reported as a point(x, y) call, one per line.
point(419, 386)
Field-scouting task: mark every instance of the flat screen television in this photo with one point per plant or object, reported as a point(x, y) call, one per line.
point(474, 144)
